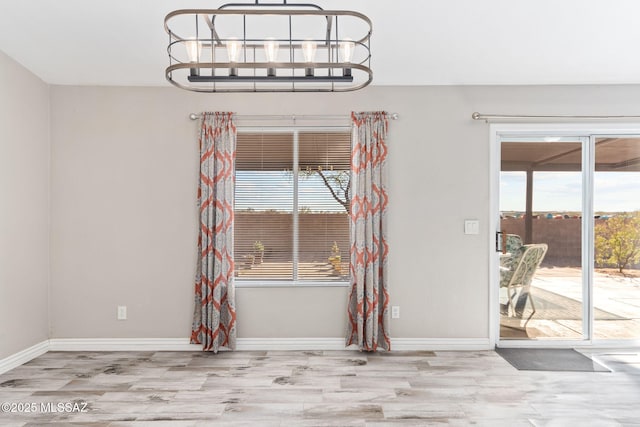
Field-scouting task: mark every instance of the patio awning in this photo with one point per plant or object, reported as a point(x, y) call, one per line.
point(612, 155)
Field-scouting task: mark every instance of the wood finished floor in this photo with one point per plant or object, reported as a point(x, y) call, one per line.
point(319, 388)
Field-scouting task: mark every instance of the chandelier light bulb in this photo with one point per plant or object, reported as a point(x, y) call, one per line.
point(347, 46)
point(233, 50)
point(194, 47)
point(193, 52)
point(346, 50)
point(309, 50)
point(271, 50)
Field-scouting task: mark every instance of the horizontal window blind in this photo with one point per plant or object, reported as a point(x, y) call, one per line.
point(264, 206)
point(292, 201)
point(323, 202)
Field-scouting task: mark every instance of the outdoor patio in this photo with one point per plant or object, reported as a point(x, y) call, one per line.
point(557, 295)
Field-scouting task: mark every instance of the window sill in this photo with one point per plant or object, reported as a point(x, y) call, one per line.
point(288, 284)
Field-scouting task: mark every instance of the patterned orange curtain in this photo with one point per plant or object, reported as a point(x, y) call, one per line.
point(368, 306)
point(214, 317)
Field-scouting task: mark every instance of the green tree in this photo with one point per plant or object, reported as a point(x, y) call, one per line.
point(617, 241)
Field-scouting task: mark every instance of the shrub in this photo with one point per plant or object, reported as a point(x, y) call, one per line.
point(617, 241)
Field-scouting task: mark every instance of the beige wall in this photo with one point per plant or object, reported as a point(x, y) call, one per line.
point(124, 215)
point(24, 213)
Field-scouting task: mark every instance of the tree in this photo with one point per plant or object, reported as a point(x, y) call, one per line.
point(617, 241)
point(337, 182)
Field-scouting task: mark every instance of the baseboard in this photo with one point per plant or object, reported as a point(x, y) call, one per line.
point(22, 357)
point(290, 344)
point(259, 344)
point(122, 344)
point(182, 344)
point(440, 344)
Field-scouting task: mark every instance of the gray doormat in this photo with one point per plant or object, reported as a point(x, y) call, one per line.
point(549, 359)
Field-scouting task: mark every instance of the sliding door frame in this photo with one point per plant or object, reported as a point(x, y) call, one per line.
point(587, 132)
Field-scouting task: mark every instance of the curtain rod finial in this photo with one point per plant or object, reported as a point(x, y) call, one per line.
point(194, 116)
point(475, 116)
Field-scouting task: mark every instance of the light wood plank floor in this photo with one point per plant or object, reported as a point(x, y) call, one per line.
point(318, 388)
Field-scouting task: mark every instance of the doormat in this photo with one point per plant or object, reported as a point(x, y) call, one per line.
point(549, 359)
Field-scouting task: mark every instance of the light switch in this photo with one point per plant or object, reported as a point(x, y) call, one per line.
point(471, 226)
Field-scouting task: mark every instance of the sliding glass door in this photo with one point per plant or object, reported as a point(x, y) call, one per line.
point(568, 238)
point(540, 238)
point(616, 201)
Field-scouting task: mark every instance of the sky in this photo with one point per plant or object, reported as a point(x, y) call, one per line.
point(562, 191)
point(273, 190)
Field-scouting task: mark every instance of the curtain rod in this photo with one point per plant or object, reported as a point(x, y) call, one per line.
point(487, 117)
point(196, 116)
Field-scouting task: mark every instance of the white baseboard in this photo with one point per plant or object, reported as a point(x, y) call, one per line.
point(122, 344)
point(440, 344)
point(259, 344)
point(243, 344)
point(290, 344)
point(182, 344)
point(22, 357)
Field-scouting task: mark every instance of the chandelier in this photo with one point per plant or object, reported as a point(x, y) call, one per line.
point(268, 47)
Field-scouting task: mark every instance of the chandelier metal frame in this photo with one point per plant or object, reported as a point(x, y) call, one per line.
point(211, 69)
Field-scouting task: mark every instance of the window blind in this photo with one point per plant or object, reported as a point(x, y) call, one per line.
point(291, 206)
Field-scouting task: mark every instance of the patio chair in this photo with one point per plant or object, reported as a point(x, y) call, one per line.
point(511, 248)
point(518, 277)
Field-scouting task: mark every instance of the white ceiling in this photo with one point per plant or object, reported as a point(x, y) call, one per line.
point(415, 42)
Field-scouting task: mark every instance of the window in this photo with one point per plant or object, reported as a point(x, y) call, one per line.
point(291, 206)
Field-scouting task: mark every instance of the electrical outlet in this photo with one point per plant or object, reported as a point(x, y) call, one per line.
point(395, 311)
point(122, 312)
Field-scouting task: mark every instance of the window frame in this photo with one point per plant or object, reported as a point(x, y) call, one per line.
point(295, 283)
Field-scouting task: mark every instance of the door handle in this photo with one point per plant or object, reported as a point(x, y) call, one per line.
point(501, 242)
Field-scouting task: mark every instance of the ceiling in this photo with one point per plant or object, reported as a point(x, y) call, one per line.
point(414, 42)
